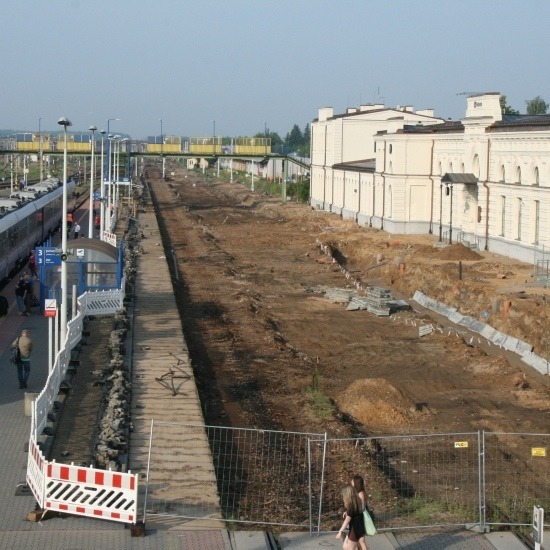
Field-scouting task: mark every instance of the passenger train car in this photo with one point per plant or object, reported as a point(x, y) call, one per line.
point(27, 226)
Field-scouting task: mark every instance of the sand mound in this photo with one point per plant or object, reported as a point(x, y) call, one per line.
point(376, 402)
point(457, 252)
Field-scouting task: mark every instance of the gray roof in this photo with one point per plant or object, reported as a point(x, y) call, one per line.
point(467, 179)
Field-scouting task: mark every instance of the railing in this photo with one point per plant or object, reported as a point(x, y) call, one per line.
point(295, 479)
point(89, 303)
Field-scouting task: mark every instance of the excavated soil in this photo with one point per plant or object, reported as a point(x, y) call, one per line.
point(261, 338)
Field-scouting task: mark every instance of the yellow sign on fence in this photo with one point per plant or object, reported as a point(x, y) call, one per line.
point(538, 451)
point(461, 444)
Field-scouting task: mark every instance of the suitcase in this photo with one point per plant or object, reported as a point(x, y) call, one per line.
point(3, 306)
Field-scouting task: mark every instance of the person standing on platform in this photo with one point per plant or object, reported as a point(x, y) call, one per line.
point(32, 264)
point(20, 296)
point(28, 295)
point(24, 343)
point(76, 230)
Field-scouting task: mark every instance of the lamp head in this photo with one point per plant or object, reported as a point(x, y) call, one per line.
point(64, 121)
point(102, 132)
point(110, 136)
point(92, 128)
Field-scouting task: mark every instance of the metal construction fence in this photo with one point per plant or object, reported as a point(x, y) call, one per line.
point(295, 479)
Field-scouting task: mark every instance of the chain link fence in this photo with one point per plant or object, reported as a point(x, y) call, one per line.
point(295, 479)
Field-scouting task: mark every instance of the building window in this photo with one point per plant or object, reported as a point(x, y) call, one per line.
point(375, 146)
point(502, 215)
point(518, 175)
point(537, 222)
point(462, 167)
point(391, 148)
point(536, 174)
point(502, 174)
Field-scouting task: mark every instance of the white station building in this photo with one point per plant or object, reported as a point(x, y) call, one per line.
point(483, 181)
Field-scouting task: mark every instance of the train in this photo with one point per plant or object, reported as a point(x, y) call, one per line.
point(27, 226)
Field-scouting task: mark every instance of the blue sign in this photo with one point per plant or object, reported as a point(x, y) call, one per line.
point(46, 255)
point(96, 196)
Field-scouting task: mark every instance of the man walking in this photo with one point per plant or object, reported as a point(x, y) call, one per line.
point(24, 343)
point(76, 230)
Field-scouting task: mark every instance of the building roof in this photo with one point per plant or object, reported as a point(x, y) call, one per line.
point(448, 126)
point(366, 165)
point(511, 123)
point(466, 179)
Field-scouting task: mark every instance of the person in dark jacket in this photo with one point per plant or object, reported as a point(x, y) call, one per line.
point(20, 295)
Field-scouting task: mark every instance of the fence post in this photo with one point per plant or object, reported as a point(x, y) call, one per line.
point(322, 483)
point(309, 485)
point(148, 467)
point(481, 470)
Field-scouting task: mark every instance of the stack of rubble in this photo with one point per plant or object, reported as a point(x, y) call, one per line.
point(378, 300)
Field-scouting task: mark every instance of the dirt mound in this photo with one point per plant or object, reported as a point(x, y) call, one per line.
point(457, 252)
point(375, 402)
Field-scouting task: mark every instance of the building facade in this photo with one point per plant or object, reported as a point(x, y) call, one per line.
point(483, 180)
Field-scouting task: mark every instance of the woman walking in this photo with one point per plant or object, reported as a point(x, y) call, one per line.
point(352, 518)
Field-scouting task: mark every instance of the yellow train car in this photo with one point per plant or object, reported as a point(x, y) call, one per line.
point(205, 145)
point(31, 142)
point(252, 146)
point(75, 144)
point(164, 144)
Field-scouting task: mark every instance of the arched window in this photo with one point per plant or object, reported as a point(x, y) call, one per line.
point(391, 148)
point(450, 168)
point(502, 174)
point(536, 176)
point(440, 169)
point(475, 166)
point(390, 168)
point(390, 202)
point(518, 175)
point(462, 167)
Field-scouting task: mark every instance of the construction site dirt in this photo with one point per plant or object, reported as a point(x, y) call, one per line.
point(263, 336)
point(271, 350)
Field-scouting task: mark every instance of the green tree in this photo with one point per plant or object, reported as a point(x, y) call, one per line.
point(536, 106)
point(505, 108)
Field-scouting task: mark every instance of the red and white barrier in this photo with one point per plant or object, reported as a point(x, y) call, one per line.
point(36, 467)
point(91, 492)
point(82, 491)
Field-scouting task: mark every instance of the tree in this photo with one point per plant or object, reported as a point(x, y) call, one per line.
point(506, 109)
point(536, 106)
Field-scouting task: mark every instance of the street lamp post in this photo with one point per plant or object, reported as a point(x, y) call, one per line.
point(63, 121)
point(102, 190)
point(110, 138)
point(449, 192)
point(109, 144)
point(162, 150)
point(91, 213)
point(40, 154)
point(440, 211)
point(213, 137)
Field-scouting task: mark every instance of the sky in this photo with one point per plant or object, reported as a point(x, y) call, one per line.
point(237, 67)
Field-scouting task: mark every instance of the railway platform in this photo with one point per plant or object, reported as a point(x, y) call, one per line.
point(85, 533)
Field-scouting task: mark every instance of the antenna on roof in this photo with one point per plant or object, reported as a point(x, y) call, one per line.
point(469, 93)
point(378, 96)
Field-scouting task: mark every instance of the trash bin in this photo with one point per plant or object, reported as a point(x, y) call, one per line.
point(29, 400)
